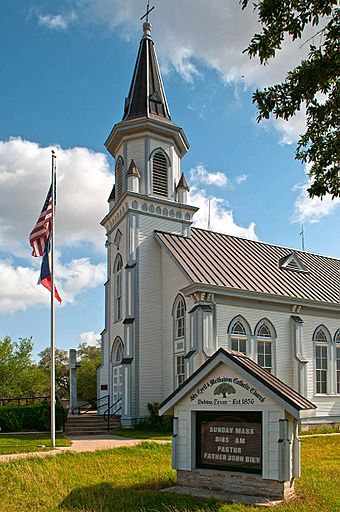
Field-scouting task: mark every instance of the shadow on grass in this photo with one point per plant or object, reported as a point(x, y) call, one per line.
point(106, 497)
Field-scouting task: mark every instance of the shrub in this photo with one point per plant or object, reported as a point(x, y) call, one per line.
point(30, 417)
point(155, 423)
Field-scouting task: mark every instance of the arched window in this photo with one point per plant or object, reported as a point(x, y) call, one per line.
point(117, 351)
point(264, 345)
point(160, 174)
point(180, 319)
point(238, 336)
point(178, 313)
point(119, 177)
point(118, 267)
point(337, 360)
point(180, 370)
point(321, 341)
point(117, 371)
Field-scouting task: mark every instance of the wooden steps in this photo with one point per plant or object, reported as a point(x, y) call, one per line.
point(89, 424)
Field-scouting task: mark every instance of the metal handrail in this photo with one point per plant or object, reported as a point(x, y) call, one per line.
point(88, 406)
point(108, 414)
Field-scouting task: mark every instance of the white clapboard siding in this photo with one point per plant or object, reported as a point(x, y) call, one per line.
point(135, 150)
point(253, 314)
point(325, 405)
point(150, 308)
point(184, 433)
point(173, 280)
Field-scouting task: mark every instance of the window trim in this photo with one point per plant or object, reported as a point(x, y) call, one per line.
point(180, 302)
point(161, 151)
point(116, 346)
point(266, 340)
point(118, 280)
point(326, 343)
point(336, 344)
point(178, 380)
point(119, 182)
point(179, 342)
point(240, 337)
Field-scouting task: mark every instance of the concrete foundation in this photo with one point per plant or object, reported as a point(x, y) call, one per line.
point(236, 483)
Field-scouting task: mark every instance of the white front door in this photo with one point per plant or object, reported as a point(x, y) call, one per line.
point(117, 382)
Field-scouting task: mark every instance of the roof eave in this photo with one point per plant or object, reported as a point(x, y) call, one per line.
point(140, 125)
point(252, 295)
point(148, 199)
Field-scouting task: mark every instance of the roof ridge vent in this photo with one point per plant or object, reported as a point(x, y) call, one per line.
point(293, 263)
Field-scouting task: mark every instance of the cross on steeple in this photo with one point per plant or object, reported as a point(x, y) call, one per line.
point(148, 10)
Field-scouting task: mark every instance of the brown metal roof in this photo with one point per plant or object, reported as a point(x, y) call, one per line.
point(287, 393)
point(223, 260)
point(146, 96)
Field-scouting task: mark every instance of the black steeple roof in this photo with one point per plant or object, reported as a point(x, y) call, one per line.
point(147, 95)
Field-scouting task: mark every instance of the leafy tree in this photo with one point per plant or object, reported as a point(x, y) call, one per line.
point(224, 389)
point(314, 82)
point(89, 356)
point(19, 374)
point(61, 369)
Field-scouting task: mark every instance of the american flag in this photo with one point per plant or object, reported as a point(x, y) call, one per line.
point(41, 231)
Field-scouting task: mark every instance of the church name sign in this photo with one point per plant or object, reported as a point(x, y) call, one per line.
point(226, 390)
point(230, 441)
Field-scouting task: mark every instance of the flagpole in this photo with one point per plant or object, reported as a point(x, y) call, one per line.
point(52, 302)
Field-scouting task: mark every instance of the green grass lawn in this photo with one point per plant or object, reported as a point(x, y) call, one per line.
point(142, 434)
point(129, 479)
point(29, 443)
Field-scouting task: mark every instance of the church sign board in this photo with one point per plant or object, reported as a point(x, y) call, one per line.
point(229, 441)
point(235, 429)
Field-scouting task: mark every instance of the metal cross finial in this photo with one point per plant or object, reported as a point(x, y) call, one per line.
point(148, 10)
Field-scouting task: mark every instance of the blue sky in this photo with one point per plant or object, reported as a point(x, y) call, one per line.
point(65, 70)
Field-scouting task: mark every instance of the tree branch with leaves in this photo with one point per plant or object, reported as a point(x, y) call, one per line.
point(315, 82)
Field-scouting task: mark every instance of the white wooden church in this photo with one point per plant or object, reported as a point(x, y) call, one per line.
point(176, 294)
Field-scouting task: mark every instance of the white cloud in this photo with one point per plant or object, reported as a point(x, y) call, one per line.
point(90, 337)
point(313, 209)
point(241, 179)
point(291, 130)
point(57, 21)
point(84, 184)
point(215, 35)
point(200, 174)
point(18, 288)
point(77, 276)
point(221, 218)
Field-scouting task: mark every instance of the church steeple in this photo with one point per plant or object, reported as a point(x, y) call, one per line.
point(147, 95)
point(146, 134)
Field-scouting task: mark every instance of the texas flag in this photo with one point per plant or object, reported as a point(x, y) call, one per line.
point(45, 273)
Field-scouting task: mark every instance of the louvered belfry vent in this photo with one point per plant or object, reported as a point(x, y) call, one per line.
point(160, 175)
point(119, 177)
